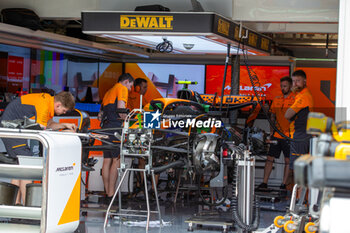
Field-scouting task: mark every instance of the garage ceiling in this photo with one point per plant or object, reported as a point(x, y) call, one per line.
point(298, 28)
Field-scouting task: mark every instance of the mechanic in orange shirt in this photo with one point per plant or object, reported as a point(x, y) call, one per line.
point(42, 107)
point(279, 106)
point(115, 98)
point(297, 114)
point(140, 88)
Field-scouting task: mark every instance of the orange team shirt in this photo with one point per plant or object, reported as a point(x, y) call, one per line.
point(110, 102)
point(134, 100)
point(44, 106)
point(117, 92)
point(279, 107)
point(302, 106)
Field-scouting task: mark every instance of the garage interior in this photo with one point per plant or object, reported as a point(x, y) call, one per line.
point(209, 59)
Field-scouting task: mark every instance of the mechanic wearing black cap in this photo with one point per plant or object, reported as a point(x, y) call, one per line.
point(41, 107)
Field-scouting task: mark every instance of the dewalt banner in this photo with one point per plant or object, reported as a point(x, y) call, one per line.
point(145, 22)
point(168, 23)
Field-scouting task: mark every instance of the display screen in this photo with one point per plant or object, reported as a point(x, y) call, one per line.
point(164, 76)
point(14, 68)
point(48, 71)
point(81, 77)
point(269, 79)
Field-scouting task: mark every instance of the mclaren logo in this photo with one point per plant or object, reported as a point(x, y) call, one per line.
point(63, 169)
point(161, 22)
point(251, 88)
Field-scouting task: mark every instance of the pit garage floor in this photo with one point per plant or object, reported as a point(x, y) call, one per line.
point(174, 215)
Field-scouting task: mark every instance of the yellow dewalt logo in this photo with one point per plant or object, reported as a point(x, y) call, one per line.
point(264, 44)
point(223, 27)
point(146, 22)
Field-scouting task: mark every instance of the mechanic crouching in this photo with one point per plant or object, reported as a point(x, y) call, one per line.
point(42, 107)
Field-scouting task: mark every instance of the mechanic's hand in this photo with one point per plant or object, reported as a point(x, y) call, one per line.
point(99, 136)
point(100, 115)
point(70, 127)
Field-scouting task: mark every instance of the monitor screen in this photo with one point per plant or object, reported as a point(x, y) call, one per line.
point(269, 79)
point(164, 77)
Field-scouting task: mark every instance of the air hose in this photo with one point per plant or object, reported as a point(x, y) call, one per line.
point(178, 163)
point(238, 220)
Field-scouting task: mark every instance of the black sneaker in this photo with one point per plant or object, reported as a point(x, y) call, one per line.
point(151, 195)
point(283, 190)
point(137, 190)
point(262, 186)
point(107, 200)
